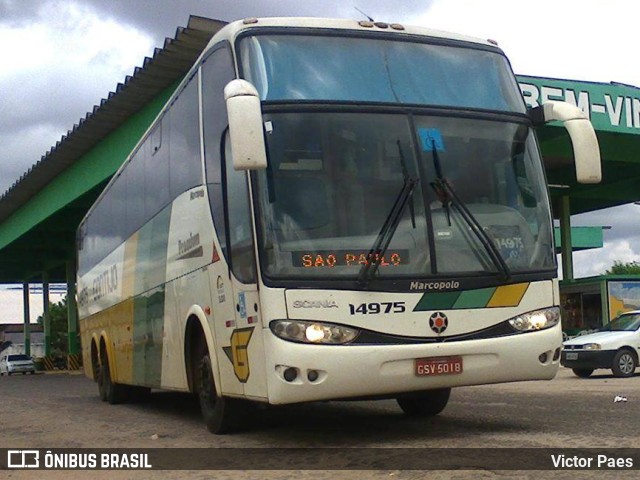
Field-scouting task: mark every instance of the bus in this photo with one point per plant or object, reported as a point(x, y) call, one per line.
point(328, 210)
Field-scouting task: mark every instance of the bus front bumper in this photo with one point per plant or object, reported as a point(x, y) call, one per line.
point(303, 372)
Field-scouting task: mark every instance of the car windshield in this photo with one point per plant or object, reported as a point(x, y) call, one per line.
point(15, 358)
point(335, 179)
point(624, 323)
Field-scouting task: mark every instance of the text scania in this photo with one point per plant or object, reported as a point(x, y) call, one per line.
point(434, 285)
point(315, 304)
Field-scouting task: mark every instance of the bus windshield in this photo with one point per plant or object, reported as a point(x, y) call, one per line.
point(334, 68)
point(334, 178)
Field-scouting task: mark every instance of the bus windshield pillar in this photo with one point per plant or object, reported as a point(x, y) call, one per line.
point(565, 238)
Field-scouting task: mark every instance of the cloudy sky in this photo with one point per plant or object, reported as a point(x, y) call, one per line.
point(60, 57)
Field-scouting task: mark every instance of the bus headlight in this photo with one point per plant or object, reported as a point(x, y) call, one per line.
point(313, 332)
point(536, 320)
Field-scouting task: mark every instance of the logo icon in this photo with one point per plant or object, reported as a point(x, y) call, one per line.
point(237, 352)
point(438, 322)
point(23, 459)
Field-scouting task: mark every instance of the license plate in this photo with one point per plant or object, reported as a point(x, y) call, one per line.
point(428, 367)
point(571, 356)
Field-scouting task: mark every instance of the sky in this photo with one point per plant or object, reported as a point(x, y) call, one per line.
point(60, 57)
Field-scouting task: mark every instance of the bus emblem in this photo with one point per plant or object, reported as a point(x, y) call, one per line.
point(237, 352)
point(438, 322)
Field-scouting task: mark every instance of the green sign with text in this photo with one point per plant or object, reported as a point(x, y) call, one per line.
point(611, 107)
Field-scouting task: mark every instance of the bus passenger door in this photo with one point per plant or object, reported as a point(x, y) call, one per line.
point(246, 347)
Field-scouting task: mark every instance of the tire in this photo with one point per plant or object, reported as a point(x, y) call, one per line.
point(220, 414)
point(111, 391)
point(583, 372)
point(137, 394)
point(424, 404)
point(624, 364)
point(102, 391)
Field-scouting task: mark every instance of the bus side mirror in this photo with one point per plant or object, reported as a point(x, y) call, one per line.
point(583, 137)
point(245, 126)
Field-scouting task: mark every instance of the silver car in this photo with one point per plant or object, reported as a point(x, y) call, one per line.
point(16, 364)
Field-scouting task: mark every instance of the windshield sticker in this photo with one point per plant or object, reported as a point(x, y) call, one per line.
point(509, 241)
point(242, 305)
point(431, 139)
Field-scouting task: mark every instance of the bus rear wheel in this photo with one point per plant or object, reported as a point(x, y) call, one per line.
point(109, 390)
point(424, 404)
point(221, 414)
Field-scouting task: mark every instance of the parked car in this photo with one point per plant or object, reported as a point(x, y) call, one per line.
point(614, 346)
point(16, 364)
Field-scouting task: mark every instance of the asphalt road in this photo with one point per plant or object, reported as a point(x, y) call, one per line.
point(64, 411)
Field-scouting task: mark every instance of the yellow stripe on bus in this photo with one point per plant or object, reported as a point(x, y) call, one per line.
point(508, 295)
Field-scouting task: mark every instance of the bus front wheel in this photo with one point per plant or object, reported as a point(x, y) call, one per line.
point(424, 404)
point(220, 414)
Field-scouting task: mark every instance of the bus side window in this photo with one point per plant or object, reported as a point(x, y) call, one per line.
point(239, 221)
point(184, 151)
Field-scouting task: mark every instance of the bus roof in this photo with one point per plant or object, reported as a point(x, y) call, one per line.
point(231, 30)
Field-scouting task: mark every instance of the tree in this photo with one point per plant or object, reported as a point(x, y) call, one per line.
point(58, 323)
point(626, 268)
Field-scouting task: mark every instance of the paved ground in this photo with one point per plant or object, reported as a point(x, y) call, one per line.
point(58, 411)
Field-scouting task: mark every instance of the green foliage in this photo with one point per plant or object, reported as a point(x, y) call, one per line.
point(58, 322)
point(627, 268)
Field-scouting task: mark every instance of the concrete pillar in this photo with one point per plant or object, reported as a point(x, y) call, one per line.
point(565, 238)
point(72, 311)
point(46, 318)
point(27, 318)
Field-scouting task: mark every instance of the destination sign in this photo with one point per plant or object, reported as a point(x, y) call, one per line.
point(348, 258)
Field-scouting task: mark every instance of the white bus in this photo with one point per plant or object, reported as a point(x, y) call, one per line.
point(329, 209)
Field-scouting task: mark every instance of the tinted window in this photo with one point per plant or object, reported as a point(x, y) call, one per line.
point(184, 137)
point(240, 230)
point(13, 358)
point(156, 171)
point(136, 191)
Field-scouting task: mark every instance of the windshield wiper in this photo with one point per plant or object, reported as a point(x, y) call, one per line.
point(444, 189)
point(390, 225)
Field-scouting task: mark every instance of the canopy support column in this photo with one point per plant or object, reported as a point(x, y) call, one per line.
point(27, 318)
point(72, 311)
point(46, 318)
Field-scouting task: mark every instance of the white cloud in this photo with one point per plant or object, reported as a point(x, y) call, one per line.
point(68, 36)
point(590, 263)
point(12, 308)
point(575, 39)
point(56, 66)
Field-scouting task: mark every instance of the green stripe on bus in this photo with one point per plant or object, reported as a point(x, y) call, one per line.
point(503, 296)
point(474, 298)
point(437, 301)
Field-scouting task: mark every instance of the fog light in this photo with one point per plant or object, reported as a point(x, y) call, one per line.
point(543, 357)
point(312, 375)
point(290, 374)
